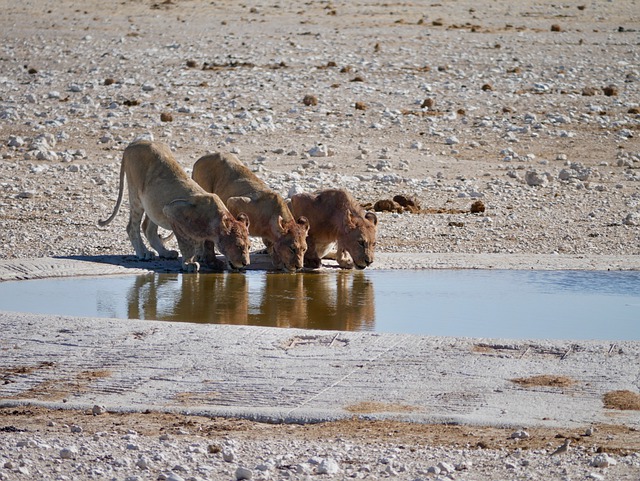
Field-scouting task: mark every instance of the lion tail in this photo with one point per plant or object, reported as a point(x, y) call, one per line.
point(102, 223)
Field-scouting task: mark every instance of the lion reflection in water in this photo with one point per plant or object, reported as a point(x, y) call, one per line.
point(341, 301)
point(215, 298)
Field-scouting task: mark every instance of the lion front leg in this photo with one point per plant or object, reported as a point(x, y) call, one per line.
point(206, 254)
point(344, 258)
point(311, 258)
point(188, 251)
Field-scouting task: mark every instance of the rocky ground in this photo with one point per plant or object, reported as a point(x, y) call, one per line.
point(530, 107)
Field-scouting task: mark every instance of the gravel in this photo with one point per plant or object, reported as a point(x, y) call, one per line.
point(530, 107)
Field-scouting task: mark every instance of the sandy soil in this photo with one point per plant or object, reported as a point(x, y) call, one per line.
point(529, 107)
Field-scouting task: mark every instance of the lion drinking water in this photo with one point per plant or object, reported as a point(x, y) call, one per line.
point(270, 218)
point(161, 189)
point(335, 217)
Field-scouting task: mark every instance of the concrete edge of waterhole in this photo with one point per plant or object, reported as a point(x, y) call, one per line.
point(283, 375)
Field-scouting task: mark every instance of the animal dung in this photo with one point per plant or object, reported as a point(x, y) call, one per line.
point(477, 207)
point(310, 100)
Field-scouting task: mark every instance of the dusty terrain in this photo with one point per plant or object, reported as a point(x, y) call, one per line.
point(529, 107)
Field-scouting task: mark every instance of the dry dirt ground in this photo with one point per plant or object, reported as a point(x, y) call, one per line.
point(531, 107)
point(606, 438)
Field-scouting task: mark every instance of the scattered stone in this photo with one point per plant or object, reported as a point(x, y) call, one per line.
point(243, 473)
point(310, 100)
point(329, 466)
point(228, 455)
point(428, 103)
point(536, 179)
point(603, 460)
point(320, 150)
point(520, 435)
point(98, 409)
point(69, 453)
point(632, 218)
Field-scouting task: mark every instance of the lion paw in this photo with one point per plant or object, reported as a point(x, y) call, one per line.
point(146, 256)
point(191, 266)
point(169, 254)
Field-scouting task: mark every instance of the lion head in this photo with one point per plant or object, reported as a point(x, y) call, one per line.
point(233, 240)
point(290, 243)
point(359, 238)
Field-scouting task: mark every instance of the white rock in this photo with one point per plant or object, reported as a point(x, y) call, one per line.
point(243, 473)
point(69, 453)
point(603, 461)
point(97, 409)
point(446, 467)
point(632, 218)
point(534, 178)
point(520, 435)
point(15, 141)
point(174, 477)
point(596, 476)
point(320, 150)
point(452, 140)
point(329, 466)
point(228, 455)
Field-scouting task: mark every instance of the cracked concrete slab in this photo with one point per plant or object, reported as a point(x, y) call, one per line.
point(293, 375)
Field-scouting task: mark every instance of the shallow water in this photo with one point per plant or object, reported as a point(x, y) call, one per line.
point(483, 303)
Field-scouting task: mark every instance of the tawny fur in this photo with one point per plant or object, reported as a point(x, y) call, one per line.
point(270, 218)
point(161, 189)
point(336, 218)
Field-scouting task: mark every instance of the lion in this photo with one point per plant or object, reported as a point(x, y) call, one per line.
point(270, 218)
point(161, 189)
point(335, 217)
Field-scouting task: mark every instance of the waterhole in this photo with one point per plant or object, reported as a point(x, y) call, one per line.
point(492, 303)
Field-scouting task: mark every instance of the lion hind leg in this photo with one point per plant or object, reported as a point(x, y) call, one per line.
point(133, 230)
point(151, 233)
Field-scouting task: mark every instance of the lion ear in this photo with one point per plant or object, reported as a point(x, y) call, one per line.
point(225, 221)
point(348, 220)
point(244, 218)
point(277, 225)
point(371, 217)
point(304, 223)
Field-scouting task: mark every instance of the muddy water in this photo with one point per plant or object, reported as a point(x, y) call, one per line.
point(498, 304)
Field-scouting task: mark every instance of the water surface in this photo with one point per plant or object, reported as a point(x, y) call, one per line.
point(473, 303)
